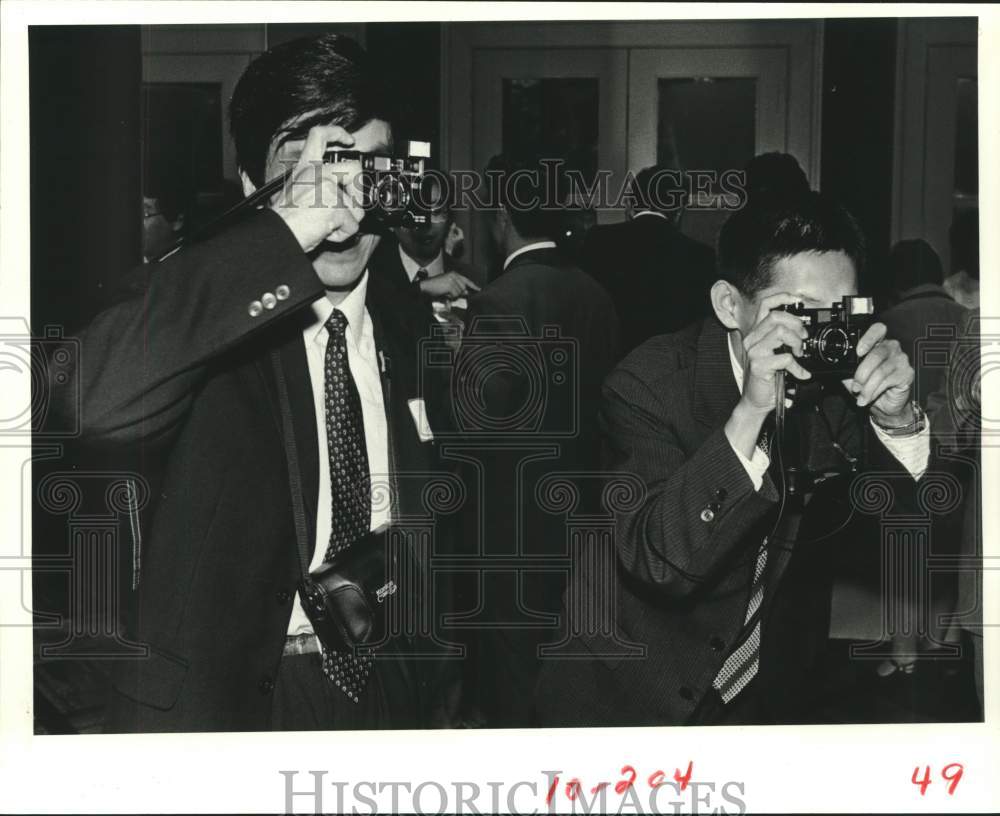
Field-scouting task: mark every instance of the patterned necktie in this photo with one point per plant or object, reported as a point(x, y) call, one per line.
point(350, 482)
point(422, 275)
point(742, 664)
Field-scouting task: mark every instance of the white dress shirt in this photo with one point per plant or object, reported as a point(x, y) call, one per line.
point(528, 248)
point(364, 364)
point(911, 451)
point(434, 268)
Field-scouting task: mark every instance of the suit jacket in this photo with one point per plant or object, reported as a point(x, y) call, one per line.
point(909, 320)
point(540, 339)
point(184, 365)
point(686, 545)
point(657, 276)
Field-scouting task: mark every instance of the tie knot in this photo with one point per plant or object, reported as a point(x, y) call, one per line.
point(336, 324)
point(422, 274)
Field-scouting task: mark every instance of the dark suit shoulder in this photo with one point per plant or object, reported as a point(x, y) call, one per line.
point(660, 364)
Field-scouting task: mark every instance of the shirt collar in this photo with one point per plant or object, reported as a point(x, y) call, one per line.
point(650, 212)
point(353, 307)
point(528, 248)
point(737, 367)
point(434, 268)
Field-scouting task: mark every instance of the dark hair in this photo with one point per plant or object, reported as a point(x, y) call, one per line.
point(774, 177)
point(329, 78)
point(756, 237)
point(913, 263)
point(964, 239)
point(659, 188)
point(523, 184)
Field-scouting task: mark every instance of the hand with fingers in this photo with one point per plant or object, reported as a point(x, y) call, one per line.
point(321, 201)
point(883, 380)
point(773, 331)
point(448, 286)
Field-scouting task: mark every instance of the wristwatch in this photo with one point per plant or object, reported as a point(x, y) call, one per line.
point(917, 425)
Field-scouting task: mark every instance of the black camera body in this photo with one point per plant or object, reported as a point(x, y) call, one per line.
point(391, 184)
point(831, 349)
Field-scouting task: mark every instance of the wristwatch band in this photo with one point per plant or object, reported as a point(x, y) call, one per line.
point(916, 426)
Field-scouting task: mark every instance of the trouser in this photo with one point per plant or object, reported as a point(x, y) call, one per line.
point(306, 700)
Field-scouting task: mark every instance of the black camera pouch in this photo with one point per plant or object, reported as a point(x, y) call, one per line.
point(345, 598)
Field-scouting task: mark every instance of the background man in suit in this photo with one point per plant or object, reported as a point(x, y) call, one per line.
point(271, 332)
point(417, 260)
point(919, 302)
point(700, 555)
point(542, 310)
point(655, 274)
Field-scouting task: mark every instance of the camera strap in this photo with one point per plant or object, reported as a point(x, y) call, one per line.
point(292, 460)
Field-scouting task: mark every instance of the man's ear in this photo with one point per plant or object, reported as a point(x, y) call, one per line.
point(248, 186)
point(726, 302)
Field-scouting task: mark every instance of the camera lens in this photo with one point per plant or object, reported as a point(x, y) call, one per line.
point(392, 194)
point(833, 344)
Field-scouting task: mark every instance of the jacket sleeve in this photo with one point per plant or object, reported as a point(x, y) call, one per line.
point(138, 363)
point(698, 507)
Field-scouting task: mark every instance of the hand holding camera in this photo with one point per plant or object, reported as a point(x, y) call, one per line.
point(883, 379)
point(320, 201)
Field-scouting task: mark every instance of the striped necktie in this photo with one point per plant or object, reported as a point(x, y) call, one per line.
point(744, 661)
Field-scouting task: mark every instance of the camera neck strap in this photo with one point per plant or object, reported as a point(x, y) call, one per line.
point(292, 461)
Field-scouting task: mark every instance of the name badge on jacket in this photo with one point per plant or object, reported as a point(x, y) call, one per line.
point(419, 412)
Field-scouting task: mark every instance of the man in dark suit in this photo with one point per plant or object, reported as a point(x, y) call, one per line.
point(920, 303)
point(657, 276)
point(277, 379)
point(541, 338)
point(700, 552)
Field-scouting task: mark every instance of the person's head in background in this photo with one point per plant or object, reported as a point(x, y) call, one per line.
point(164, 215)
point(658, 189)
point(913, 263)
point(576, 219)
point(425, 244)
point(325, 80)
point(524, 216)
point(774, 177)
point(964, 239)
point(811, 248)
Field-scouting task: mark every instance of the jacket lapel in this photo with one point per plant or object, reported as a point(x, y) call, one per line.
point(715, 391)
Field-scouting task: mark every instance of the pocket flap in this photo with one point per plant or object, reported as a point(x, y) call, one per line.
point(155, 680)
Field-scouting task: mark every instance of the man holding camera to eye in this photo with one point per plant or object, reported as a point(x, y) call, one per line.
point(700, 559)
point(278, 380)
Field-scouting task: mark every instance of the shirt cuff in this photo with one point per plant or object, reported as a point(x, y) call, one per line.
point(912, 451)
point(755, 467)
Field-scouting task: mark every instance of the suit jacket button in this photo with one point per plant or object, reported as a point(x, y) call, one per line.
point(282, 292)
point(255, 308)
point(268, 300)
point(283, 597)
point(716, 643)
point(266, 685)
point(707, 514)
point(686, 693)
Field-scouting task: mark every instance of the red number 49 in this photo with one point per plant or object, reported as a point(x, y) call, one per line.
point(952, 774)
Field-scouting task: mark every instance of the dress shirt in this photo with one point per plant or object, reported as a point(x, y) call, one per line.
point(912, 451)
point(650, 212)
point(528, 248)
point(434, 268)
point(363, 360)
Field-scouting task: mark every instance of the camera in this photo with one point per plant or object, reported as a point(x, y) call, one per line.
point(391, 185)
point(831, 349)
point(537, 376)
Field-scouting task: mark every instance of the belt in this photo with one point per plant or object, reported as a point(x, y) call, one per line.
point(306, 643)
